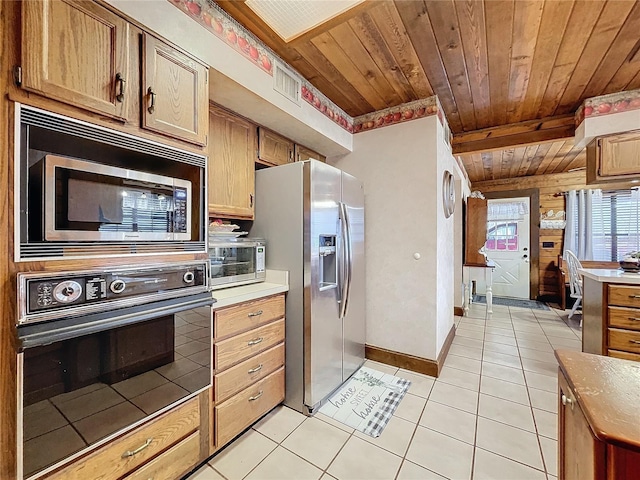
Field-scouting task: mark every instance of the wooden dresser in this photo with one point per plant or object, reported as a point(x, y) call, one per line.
point(248, 354)
point(598, 417)
point(611, 314)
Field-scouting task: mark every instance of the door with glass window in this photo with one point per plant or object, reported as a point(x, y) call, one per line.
point(508, 246)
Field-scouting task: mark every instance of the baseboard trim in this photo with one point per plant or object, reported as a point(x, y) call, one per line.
point(458, 311)
point(402, 360)
point(445, 348)
point(411, 362)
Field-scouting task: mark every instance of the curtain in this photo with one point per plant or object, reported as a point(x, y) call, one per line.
point(579, 230)
point(506, 210)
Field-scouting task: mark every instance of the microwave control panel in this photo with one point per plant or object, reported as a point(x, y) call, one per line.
point(180, 210)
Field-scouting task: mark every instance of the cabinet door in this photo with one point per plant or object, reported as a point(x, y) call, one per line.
point(475, 231)
point(232, 155)
point(620, 155)
point(304, 153)
point(77, 53)
point(582, 456)
point(175, 92)
point(273, 148)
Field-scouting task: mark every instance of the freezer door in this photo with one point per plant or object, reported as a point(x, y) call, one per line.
point(354, 318)
point(323, 326)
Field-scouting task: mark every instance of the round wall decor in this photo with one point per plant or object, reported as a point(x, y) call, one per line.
point(448, 193)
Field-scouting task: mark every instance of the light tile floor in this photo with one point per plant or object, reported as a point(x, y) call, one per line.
point(492, 414)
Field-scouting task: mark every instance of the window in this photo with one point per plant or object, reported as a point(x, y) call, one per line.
point(502, 236)
point(615, 220)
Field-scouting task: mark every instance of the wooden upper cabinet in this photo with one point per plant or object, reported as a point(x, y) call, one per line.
point(475, 230)
point(77, 53)
point(274, 149)
point(614, 158)
point(304, 153)
point(175, 92)
point(232, 156)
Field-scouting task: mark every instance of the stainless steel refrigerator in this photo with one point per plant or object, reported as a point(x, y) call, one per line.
point(312, 217)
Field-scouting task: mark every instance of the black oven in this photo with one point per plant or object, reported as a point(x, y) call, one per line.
point(101, 352)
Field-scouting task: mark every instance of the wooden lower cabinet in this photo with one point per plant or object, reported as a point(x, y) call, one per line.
point(173, 463)
point(135, 449)
point(593, 435)
point(249, 405)
point(249, 365)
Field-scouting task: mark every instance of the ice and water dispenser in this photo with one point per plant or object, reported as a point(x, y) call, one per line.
point(328, 262)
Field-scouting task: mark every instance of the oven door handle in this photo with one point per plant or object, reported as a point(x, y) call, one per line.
point(45, 333)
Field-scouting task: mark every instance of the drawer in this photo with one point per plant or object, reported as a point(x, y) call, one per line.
point(624, 295)
point(625, 355)
point(625, 340)
point(236, 349)
point(236, 319)
point(244, 374)
point(173, 463)
point(628, 318)
point(241, 410)
point(157, 435)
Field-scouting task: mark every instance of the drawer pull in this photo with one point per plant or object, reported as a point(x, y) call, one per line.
point(635, 319)
point(255, 341)
point(635, 342)
point(256, 396)
point(254, 370)
point(634, 296)
point(255, 314)
point(131, 453)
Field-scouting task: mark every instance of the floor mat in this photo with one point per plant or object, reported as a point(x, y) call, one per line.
point(512, 302)
point(367, 400)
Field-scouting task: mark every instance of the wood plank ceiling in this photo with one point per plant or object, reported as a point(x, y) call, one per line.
point(491, 63)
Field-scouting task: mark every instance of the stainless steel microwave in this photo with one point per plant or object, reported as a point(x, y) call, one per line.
point(87, 201)
point(236, 262)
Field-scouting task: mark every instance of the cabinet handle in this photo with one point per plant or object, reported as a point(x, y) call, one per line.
point(131, 453)
point(152, 94)
point(634, 296)
point(636, 319)
point(254, 370)
point(255, 342)
point(255, 314)
point(635, 342)
point(256, 396)
point(566, 401)
point(120, 79)
point(251, 199)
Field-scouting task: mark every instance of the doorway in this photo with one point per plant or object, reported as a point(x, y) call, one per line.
point(508, 246)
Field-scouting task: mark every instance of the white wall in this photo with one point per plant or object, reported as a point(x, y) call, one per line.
point(409, 301)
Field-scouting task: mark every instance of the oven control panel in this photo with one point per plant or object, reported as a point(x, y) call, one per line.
point(40, 293)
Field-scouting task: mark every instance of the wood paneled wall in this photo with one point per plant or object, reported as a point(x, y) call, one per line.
point(549, 186)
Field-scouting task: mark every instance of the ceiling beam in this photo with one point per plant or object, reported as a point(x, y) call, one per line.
point(530, 132)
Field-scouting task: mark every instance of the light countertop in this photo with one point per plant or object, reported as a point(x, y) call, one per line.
point(610, 275)
point(277, 281)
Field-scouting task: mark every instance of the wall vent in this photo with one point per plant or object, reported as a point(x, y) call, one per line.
point(286, 83)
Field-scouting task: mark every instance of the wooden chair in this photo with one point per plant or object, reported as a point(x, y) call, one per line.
point(575, 280)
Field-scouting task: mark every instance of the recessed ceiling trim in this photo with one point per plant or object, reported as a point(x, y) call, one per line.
point(290, 19)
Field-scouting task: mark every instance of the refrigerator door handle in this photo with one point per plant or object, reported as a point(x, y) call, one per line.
point(348, 260)
point(343, 260)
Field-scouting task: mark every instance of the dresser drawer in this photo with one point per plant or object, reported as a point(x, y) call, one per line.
point(624, 340)
point(236, 349)
point(624, 295)
point(625, 355)
point(241, 410)
point(244, 374)
point(236, 319)
point(628, 318)
point(173, 463)
point(116, 459)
